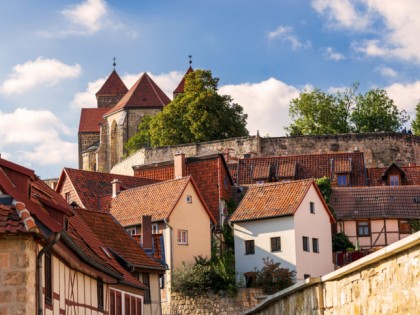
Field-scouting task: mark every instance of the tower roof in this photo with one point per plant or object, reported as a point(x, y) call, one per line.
point(181, 85)
point(145, 93)
point(113, 86)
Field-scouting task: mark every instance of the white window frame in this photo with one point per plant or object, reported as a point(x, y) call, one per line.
point(131, 230)
point(182, 237)
point(155, 228)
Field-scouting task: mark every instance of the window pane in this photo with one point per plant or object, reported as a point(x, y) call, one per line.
point(305, 241)
point(315, 245)
point(275, 244)
point(249, 248)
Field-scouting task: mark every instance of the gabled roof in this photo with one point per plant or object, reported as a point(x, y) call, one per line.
point(274, 200)
point(145, 93)
point(157, 200)
point(180, 88)
point(112, 86)
point(90, 119)
point(401, 202)
point(103, 224)
point(307, 166)
point(410, 175)
point(92, 186)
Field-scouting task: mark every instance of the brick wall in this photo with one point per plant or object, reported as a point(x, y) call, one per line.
point(17, 276)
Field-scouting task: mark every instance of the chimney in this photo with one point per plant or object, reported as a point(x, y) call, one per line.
point(179, 165)
point(116, 188)
point(146, 233)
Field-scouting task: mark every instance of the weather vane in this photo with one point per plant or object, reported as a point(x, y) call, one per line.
point(190, 62)
point(114, 64)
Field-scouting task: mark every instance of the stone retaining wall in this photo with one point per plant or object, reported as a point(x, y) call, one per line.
point(212, 304)
point(385, 282)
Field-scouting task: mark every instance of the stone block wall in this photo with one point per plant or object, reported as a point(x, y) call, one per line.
point(86, 139)
point(380, 149)
point(212, 304)
point(385, 282)
point(17, 279)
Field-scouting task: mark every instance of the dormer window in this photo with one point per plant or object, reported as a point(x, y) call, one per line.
point(342, 180)
point(394, 180)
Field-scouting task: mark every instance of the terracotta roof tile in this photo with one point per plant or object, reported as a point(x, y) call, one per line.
point(261, 171)
point(410, 175)
point(271, 200)
point(112, 86)
point(120, 242)
point(180, 88)
point(91, 187)
point(307, 166)
point(10, 222)
point(157, 200)
point(90, 119)
point(342, 166)
point(287, 170)
point(144, 93)
point(376, 202)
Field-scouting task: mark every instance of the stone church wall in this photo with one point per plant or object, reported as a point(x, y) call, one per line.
point(380, 149)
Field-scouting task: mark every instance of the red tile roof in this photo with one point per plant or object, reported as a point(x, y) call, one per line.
point(376, 202)
point(144, 93)
point(410, 175)
point(287, 170)
point(307, 166)
point(91, 187)
point(112, 86)
point(180, 88)
point(120, 242)
point(90, 119)
point(272, 200)
point(10, 222)
point(157, 200)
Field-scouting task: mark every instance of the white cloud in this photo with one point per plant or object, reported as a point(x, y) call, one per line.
point(387, 71)
point(87, 98)
point(35, 137)
point(39, 72)
point(393, 25)
point(406, 96)
point(331, 54)
point(266, 103)
point(286, 33)
point(88, 16)
point(341, 13)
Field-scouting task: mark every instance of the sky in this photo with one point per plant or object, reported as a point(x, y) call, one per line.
point(56, 54)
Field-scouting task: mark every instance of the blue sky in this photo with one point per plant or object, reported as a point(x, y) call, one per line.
point(56, 54)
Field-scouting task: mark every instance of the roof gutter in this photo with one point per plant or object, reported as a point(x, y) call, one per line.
point(39, 266)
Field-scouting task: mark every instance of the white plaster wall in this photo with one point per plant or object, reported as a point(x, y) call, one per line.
point(261, 231)
point(318, 226)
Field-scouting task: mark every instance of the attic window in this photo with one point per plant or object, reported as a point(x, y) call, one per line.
point(189, 199)
point(416, 199)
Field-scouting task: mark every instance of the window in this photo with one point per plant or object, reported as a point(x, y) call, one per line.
point(305, 241)
point(189, 199)
point(363, 228)
point(67, 197)
point(394, 180)
point(315, 245)
point(48, 278)
point(155, 228)
point(249, 248)
point(100, 291)
point(146, 282)
point(306, 276)
point(124, 303)
point(162, 281)
point(259, 182)
point(404, 227)
point(342, 180)
point(275, 244)
point(312, 207)
point(182, 237)
point(131, 231)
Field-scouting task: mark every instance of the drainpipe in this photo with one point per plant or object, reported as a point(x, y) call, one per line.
point(170, 246)
point(39, 265)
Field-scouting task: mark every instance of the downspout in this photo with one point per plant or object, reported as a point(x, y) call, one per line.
point(39, 266)
point(170, 245)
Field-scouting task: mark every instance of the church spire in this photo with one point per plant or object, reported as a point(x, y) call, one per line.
point(181, 85)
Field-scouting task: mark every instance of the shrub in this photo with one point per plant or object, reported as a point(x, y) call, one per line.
point(271, 278)
point(216, 275)
point(341, 242)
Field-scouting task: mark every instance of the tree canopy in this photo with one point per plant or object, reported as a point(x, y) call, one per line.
point(415, 124)
point(199, 114)
point(343, 111)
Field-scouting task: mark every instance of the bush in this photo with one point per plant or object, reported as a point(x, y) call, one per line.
point(216, 275)
point(341, 242)
point(271, 278)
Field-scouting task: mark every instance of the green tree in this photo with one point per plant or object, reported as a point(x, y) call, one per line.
point(375, 111)
point(199, 114)
point(341, 242)
point(415, 124)
point(318, 112)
